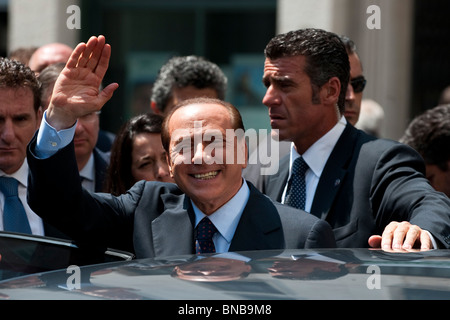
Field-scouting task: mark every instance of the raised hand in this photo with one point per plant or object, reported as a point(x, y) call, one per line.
point(77, 89)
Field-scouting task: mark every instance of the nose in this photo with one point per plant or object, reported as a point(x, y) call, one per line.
point(79, 128)
point(271, 97)
point(349, 94)
point(7, 131)
point(198, 152)
point(162, 171)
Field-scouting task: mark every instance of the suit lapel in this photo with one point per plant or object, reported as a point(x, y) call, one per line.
point(259, 227)
point(275, 184)
point(173, 231)
point(334, 173)
point(101, 160)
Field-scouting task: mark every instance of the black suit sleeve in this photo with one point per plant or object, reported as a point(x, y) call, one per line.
point(400, 192)
point(56, 195)
point(321, 236)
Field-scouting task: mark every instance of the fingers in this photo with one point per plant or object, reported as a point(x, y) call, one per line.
point(90, 54)
point(425, 241)
point(401, 236)
point(96, 53)
point(375, 241)
point(85, 57)
point(107, 93)
point(103, 62)
point(75, 56)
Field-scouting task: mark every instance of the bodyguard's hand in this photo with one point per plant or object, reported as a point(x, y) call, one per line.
point(402, 236)
point(77, 89)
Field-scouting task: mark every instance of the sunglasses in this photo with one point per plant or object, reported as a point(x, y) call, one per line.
point(358, 84)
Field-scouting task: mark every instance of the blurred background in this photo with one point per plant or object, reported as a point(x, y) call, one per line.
point(406, 58)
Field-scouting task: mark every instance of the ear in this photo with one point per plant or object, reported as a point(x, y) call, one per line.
point(169, 163)
point(154, 107)
point(246, 155)
point(330, 91)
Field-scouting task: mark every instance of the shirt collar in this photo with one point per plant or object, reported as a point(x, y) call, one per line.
point(88, 171)
point(317, 155)
point(227, 217)
point(20, 175)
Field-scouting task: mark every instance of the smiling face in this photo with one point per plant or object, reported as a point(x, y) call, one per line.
point(197, 159)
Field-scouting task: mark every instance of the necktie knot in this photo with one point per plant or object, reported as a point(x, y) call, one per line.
point(204, 233)
point(299, 166)
point(8, 186)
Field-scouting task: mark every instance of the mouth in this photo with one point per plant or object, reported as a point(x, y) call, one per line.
point(275, 116)
point(206, 176)
point(274, 119)
point(349, 113)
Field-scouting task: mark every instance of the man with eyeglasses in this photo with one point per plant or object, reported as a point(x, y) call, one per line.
point(372, 192)
point(92, 162)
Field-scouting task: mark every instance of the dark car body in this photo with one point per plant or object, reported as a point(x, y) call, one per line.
point(350, 274)
point(22, 254)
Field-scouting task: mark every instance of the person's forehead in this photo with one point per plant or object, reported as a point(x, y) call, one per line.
point(205, 112)
point(289, 67)
point(199, 118)
point(17, 99)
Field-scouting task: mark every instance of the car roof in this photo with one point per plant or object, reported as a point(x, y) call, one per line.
point(263, 275)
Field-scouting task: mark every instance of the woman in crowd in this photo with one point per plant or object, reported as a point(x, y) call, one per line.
point(137, 154)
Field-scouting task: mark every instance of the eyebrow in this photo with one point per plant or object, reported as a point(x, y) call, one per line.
point(277, 79)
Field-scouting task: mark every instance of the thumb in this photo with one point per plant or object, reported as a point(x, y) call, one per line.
point(107, 92)
point(375, 241)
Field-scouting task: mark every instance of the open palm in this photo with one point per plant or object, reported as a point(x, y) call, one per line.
point(77, 89)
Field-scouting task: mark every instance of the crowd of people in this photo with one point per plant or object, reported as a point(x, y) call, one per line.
point(165, 183)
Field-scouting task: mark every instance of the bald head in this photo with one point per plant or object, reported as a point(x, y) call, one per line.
point(49, 54)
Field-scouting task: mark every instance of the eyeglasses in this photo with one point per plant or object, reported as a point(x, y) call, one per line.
point(358, 84)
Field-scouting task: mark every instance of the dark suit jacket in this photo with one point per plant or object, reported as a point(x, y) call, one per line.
point(367, 183)
point(101, 162)
point(157, 216)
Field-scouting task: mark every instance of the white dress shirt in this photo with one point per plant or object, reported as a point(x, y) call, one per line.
point(226, 218)
point(34, 220)
point(88, 174)
point(316, 157)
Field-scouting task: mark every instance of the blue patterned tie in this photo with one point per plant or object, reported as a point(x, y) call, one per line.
point(14, 216)
point(296, 194)
point(204, 233)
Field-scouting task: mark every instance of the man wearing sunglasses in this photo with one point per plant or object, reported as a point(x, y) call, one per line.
point(372, 192)
point(353, 96)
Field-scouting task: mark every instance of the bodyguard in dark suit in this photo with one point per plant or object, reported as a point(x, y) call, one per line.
point(362, 190)
point(161, 218)
point(360, 185)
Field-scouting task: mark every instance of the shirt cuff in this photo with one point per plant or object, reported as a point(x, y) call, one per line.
point(49, 141)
